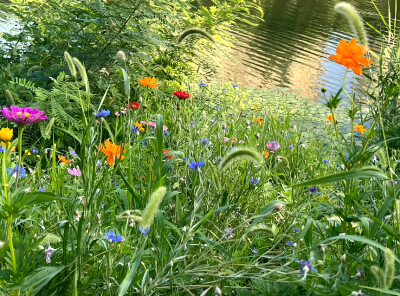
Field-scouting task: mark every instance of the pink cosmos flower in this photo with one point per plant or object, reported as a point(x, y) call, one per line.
point(273, 146)
point(23, 116)
point(143, 122)
point(226, 139)
point(165, 128)
point(75, 172)
point(152, 123)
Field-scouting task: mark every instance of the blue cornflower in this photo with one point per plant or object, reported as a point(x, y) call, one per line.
point(296, 230)
point(235, 85)
point(41, 189)
point(255, 252)
point(193, 165)
point(34, 150)
point(226, 130)
point(213, 121)
point(135, 129)
point(103, 113)
point(166, 133)
point(2, 149)
point(224, 90)
point(290, 243)
point(103, 204)
point(291, 146)
point(143, 231)
point(394, 182)
point(325, 161)
point(218, 107)
point(306, 263)
point(112, 237)
point(287, 136)
point(313, 190)
point(202, 84)
point(13, 172)
point(254, 181)
point(72, 153)
point(184, 158)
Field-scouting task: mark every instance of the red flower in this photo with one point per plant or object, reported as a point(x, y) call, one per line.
point(134, 106)
point(168, 156)
point(182, 95)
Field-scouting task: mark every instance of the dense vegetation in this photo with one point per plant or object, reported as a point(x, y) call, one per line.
point(136, 177)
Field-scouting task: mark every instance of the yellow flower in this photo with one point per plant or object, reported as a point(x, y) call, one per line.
point(139, 126)
point(27, 152)
point(7, 145)
point(6, 134)
point(360, 128)
point(329, 117)
point(265, 153)
point(148, 81)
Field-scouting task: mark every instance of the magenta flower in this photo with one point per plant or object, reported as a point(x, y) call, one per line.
point(23, 116)
point(75, 172)
point(273, 146)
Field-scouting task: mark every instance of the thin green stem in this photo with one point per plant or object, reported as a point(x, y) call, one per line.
point(20, 132)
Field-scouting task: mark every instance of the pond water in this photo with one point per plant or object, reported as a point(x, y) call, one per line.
point(290, 49)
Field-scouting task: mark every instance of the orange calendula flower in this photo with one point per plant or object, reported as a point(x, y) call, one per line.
point(265, 153)
point(63, 159)
point(148, 81)
point(112, 151)
point(7, 145)
point(351, 56)
point(360, 128)
point(259, 120)
point(329, 117)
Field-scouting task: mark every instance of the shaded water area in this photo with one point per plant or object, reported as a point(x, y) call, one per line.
point(290, 49)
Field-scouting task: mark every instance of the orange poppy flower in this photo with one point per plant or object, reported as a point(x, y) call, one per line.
point(259, 120)
point(148, 81)
point(360, 128)
point(351, 56)
point(168, 156)
point(112, 151)
point(63, 159)
point(329, 117)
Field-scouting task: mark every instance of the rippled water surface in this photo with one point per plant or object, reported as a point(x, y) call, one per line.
point(291, 47)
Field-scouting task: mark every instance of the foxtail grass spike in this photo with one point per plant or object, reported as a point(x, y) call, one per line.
point(389, 268)
point(193, 31)
point(70, 63)
point(354, 19)
point(152, 207)
point(82, 72)
point(379, 275)
point(10, 97)
point(243, 153)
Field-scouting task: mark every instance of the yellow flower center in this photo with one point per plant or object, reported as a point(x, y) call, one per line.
point(19, 113)
point(27, 115)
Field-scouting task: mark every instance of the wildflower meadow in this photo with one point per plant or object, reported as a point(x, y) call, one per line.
point(126, 171)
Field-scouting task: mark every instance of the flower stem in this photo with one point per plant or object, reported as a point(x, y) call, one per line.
point(20, 132)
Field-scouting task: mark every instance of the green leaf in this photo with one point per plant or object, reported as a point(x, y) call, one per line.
point(359, 239)
point(265, 211)
point(308, 231)
point(366, 173)
point(384, 291)
point(34, 198)
point(127, 83)
point(40, 278)
point(123, 288)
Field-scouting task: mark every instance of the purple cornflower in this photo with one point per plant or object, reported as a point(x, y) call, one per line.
point(75, 172)
point(306, 265)
point(48, 253)
point(273, 145)
point(255, 252)
point(193, 165)
point(313, 190)
point(228, 232)
point(204, 141)
point(235, 85)
point(144, 231)
point(23, 116)
point(254, 181)
point(41, 189)
point(103, 113)
point(291, 146)
point(112, 237)
point(72, 153)
point(34, 150)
